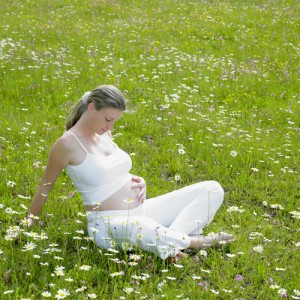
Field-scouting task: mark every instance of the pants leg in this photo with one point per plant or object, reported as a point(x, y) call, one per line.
point(188, 209)
point(135, 229)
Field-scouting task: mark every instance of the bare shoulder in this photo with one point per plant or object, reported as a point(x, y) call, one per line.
point(63, 149)
point(65, 143)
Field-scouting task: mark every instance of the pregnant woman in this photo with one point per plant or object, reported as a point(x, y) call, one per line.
point(115, 200)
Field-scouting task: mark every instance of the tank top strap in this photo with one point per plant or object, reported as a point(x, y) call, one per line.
point(78, 141)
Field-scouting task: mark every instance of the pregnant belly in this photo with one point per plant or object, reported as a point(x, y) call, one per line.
point(124, 198)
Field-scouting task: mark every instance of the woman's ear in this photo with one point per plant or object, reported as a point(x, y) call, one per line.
point(91, 106)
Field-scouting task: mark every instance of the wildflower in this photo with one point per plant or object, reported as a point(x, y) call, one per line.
point(282, 292)
point(177, 177)
point(145, 276)
point(58, 258)
point(217, 145)
point(32, 234)
point(222, 242)
point(26, 222)
point(112, 243)
point(215, 292)
point(31, 216)
point(230, 255)
point(235, 209)
point(274, 286)
point(69, 279)
point(128, 200)
point(24, 206)
point(178, 266)
point(206, 271)
point(203, 253)
point(10, 211)
point(115, 274)
point(171, 278)
point(253, 235)
point(92, 296)
point(46, 294)
point(85, 267)
point(134, 256)
point(128, 290)
point(161, 284)
point(8, 292)
point(126, 246)
point(29, 246)
point(296, 292)
point(276, 206)
point(280, 269)
point(254, 169)
point(81, 289)
point(181, 151)
point(113, 250)
point(10, 183)
point(139, 236)
point(59, 271)
point(238, 278)
point(1, 251)
point(61, 294)
point(94, 229)
point(295, 214)
point(227, 291)
point(233, 153)
point(267, 240)
point(258, 249)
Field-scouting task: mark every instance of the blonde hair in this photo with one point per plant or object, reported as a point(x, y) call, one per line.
point(102, 96)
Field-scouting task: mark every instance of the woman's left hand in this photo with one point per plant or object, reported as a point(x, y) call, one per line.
point(139, 183)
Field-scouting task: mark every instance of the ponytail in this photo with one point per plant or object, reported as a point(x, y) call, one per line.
point(76, 113)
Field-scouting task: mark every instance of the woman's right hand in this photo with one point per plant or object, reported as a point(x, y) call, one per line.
point(139, 184)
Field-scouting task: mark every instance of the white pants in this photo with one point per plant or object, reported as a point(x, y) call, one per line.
point(161, 225)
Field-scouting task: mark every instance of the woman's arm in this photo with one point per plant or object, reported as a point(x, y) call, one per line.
point(58, 159)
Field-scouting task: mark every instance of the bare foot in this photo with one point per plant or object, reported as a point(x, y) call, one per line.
point(211, 240)
point(174, 259)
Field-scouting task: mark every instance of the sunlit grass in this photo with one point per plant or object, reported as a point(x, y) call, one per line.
point(213, 91)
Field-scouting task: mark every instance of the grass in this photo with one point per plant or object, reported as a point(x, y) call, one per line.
point(218, 79)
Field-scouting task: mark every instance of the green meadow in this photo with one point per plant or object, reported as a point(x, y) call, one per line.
point(213, 94)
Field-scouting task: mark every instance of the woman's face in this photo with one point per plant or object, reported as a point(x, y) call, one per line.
point(104, 119)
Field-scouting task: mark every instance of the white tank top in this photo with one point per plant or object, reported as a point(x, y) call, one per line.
point(99, 177)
